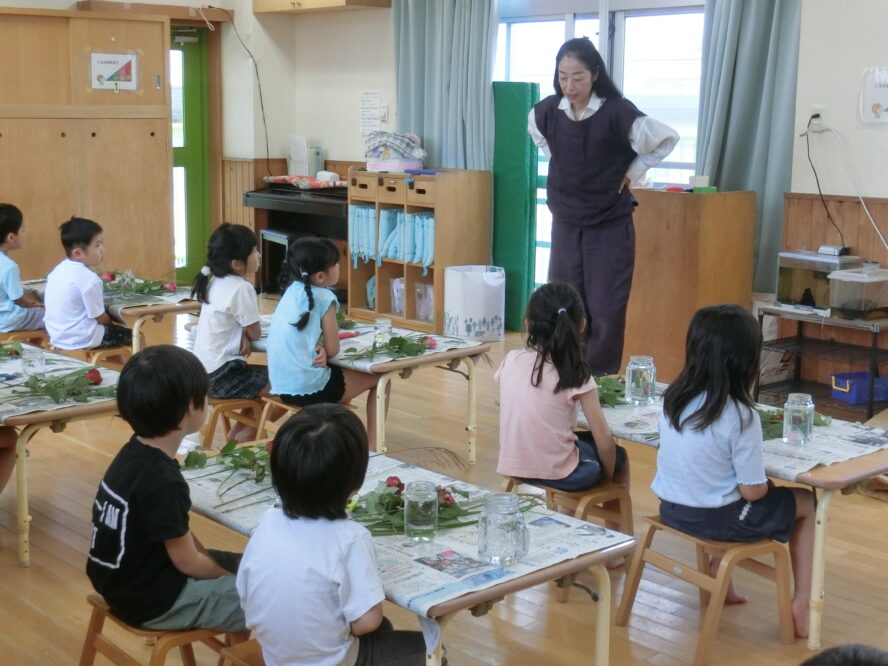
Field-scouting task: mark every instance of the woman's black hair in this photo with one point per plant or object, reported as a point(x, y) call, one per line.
point(721, 361)
point(157, 386)
point(318, 459)
point(305, 257)
point(584, 50)
point(554, 315)
point(229, 242)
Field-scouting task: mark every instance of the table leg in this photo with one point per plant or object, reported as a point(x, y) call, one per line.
point(815, 605)
point(472, 426)
point(21, 490)
point(381, 387)
point(433, 657)
point(137, 332)
point(603, 621)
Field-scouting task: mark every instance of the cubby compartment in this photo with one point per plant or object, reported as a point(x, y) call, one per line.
point(392, 190)
point(421, 192)
point(419, 294)
point(385, 302)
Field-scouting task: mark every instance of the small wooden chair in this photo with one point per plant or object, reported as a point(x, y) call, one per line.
point(226, 410)
point(247, 653)
point(163, 641)
point(38, 337)
point(268, 426)
point(101, 356)
point(712, 588)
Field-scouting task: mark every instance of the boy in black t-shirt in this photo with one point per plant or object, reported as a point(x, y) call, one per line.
point(143, 559)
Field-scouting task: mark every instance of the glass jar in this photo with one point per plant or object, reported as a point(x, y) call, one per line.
point(641, 380)
point(502, 534)
point(798, 419)
point(382, 330)
point(420, 511)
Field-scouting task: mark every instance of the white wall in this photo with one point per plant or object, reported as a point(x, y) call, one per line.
point(838, 40)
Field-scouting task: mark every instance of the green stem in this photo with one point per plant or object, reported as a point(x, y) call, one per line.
point(255, 492)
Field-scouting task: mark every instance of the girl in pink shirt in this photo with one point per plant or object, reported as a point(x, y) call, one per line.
point(540, 387)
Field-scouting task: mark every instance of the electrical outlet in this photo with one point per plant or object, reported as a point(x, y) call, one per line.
point(817, 124)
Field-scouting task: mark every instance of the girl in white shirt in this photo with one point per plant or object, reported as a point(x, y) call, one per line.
point(710, 468)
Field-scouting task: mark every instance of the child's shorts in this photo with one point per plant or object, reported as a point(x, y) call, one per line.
point(588, 471)
point(771, 517)
point(28, 319)
point(115, 336)
point(206, 604)
point(332, 392)
point(237, 379)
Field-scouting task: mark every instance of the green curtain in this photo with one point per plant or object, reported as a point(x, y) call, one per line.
point(747, 108)
point(514, 194)
point(444, 64)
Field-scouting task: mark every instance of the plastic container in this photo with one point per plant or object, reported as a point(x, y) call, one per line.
point(393, 165)
point(859, 293)
point(475, 302)
point(802, 277)
point(853, 387)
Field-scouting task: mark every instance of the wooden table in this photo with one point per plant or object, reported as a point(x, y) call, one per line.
point(559, 552)
point(843, 476)
point(29, 424)
point(155, 311)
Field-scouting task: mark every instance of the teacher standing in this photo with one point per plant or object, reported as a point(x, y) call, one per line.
point(597, 142)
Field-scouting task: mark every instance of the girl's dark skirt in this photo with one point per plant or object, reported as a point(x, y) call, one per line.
point(587, 473)
point(237, 379)
point(771, 517)
point(332, 392)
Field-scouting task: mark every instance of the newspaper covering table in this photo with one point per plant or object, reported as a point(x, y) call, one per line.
point(836, 442)
point(12, 379)
point(360, 338)
point(414, 577)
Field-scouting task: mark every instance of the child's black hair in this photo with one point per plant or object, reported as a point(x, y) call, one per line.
point(555, 313)
point(850, 654)
point(721, 361)
point(10, 220)
point(157, 386)
point(229, 242)
point(78, 232)
point(305, 257)
point(318, 459)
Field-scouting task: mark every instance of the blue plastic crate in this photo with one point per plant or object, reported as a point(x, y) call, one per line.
point(853, 387)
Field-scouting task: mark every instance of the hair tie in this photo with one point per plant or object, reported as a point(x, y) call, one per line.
point(303, 274)
point(205, 271)
point(562, 310)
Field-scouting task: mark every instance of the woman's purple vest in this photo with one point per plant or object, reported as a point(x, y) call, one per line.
point(590, 158)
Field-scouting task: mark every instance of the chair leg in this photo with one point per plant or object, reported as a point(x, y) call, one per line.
point(633, 577)
point(703, 564)
point(714, 609)
point(96, 622)
point(508, 485)
point(187, 652)
point(627, 525)
point(784, 596)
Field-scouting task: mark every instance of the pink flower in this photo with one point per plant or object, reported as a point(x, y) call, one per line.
point(268, 446)
point(445, 497)
point(170, 286)
point(395, 482)
point(108, 277)
point(429, 341)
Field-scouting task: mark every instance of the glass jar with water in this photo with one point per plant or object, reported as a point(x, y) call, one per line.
point(420, 511)
point(502, 534)
point(641, 380)
point(798, 419)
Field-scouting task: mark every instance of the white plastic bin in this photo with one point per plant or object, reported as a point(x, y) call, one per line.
point(474, 302)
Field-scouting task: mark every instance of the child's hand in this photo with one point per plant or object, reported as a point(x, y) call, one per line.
point(320, 360)
point(246, 345)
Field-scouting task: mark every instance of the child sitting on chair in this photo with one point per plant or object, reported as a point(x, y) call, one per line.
point(308, 582)
point(75, 307)
point(143, 558)
point(19, 310)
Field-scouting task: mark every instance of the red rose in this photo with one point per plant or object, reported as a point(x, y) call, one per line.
point(268, 446)
point(429, 341)
point(170, 286)
point(108, 277)
point(445, 497)
point(395, 482)
point(94, 376)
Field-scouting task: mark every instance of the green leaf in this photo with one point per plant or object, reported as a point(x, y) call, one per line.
point(194, 460)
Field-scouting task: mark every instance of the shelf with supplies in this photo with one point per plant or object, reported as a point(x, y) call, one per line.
point(867, 358)
point(404, 230)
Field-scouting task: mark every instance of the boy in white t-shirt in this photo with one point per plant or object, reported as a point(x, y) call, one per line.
point(19, 310)
point(75, 307)
point(308, 581)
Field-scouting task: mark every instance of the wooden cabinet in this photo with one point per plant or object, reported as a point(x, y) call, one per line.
point(305, 6)
point(459, 200)
point(691, 250)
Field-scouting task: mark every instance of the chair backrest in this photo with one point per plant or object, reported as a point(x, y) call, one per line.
point(274, 415)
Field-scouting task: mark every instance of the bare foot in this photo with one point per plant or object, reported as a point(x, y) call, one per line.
point(800, 617)
point(732, 596)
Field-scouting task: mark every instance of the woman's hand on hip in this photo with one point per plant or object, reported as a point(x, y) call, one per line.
point(623, 185)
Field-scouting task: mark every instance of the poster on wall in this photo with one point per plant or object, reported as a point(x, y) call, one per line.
point(113, 71)
point(874, 95)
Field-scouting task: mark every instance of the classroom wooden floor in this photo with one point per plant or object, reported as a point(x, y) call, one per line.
point(43, 609)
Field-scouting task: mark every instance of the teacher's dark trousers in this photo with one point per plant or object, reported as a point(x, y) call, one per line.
point(598, 260)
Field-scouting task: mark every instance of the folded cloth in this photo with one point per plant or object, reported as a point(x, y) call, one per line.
point(388, 145)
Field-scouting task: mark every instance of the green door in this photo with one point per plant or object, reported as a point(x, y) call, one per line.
point(191, 201)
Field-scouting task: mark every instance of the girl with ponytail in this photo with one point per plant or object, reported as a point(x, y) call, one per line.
point(304, 334)
point(540, 387)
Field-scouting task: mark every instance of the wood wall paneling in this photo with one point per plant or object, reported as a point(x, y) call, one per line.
point(237, 177)
point(34, 60)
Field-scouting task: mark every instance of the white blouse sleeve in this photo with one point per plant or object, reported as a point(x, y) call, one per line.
point(535, 135)
point(653, 141)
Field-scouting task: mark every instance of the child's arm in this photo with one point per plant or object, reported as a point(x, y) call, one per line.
point(368, 622)
point(330, 331)
point(104, 319)
point(248, 334)
point(604, 441)
point(28, 301)
point(753, 493)
point(189, 557)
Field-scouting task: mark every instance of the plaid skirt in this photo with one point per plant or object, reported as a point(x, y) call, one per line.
point(236, 379)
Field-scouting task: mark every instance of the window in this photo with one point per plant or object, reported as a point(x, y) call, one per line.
point(655, 55)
